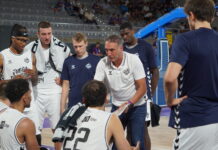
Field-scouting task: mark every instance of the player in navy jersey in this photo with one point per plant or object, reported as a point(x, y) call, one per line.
point(77, 70)
point(194, 62)
point(146, 54)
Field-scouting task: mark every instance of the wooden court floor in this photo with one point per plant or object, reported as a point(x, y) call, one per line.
point(161, 136)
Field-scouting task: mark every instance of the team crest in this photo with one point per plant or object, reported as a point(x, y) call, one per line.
point(126, 71)
point(26, 60)
point(88, 66)
point(9, 61)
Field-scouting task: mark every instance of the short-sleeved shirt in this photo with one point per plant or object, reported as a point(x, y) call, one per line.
point(78, 72)
point(121, 80)
point(197, 52)
point(147, 56)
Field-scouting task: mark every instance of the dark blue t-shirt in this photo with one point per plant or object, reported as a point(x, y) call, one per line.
point(146, 54)
point(197, 52)
point(78, 72)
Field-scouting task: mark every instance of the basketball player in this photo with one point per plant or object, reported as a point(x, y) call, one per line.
point(50, 53)
point(77, 70)
point(194, 61)
point(17, 132)
point(15, 62)
point(95, 128)
point(145, 52)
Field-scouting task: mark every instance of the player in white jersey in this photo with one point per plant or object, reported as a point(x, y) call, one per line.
point(50, 54)
point(17, 63)
point(95, 129)
point(17, 132)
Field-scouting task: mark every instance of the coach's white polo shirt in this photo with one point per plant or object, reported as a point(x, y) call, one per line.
point(121, 80)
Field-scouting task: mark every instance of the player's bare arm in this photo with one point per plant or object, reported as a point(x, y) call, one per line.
point(64, 94)
point(154, 79)
point(171, 84)
point(118, 135)
point(26, 134)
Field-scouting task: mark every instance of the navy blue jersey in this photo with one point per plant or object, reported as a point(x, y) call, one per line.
point(197, 52)
point(78, 72)
point(146, 54)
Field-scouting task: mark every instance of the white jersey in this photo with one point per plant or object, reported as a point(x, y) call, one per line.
point(58, 52)
point(90, 132)
point(9, 120)
point(15, 64)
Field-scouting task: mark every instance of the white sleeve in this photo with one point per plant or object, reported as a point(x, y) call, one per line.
point(138, 69)
point(100, 72)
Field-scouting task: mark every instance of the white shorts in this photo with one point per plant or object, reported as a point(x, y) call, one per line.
point(197, 138)
point(32, 114)
point(50, 104)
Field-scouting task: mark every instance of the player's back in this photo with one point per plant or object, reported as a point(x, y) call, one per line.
point(9, 120)
point(90, 132)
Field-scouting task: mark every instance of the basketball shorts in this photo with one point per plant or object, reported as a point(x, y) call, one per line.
point(197, 138)
point(49, 104)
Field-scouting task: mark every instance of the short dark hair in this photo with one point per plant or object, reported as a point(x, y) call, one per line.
point(94, 93)
point(126, 25)
point(115, 39)
point(16, 88)
point(44, 24)
point(2, 90)
point(204, 10)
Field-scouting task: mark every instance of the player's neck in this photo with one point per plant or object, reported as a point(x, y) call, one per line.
point(99, 108)
point(203, 24)
point(45, 46)
point(15, 51)
point(17, 106)
point(133, 43)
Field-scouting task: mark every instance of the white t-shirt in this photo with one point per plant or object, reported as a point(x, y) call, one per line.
point(121, 80)
point(9, 120)
point(90, 132)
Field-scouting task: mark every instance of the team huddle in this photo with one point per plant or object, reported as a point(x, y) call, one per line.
point(45, 77)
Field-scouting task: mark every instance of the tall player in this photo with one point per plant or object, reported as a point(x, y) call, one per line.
point(194, 62)
point(50, 53)
point(17, 132)
point(15, 62)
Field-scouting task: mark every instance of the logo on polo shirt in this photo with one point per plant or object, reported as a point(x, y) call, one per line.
point(88, 66)
point(126, 72)
point(110, 72)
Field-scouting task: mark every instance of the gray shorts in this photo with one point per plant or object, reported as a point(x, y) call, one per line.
point(197, 138)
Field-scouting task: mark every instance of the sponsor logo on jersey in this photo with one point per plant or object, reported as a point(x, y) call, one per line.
point(73, 67)
point(110, 72)
point(9, 61)
point(3, 125)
